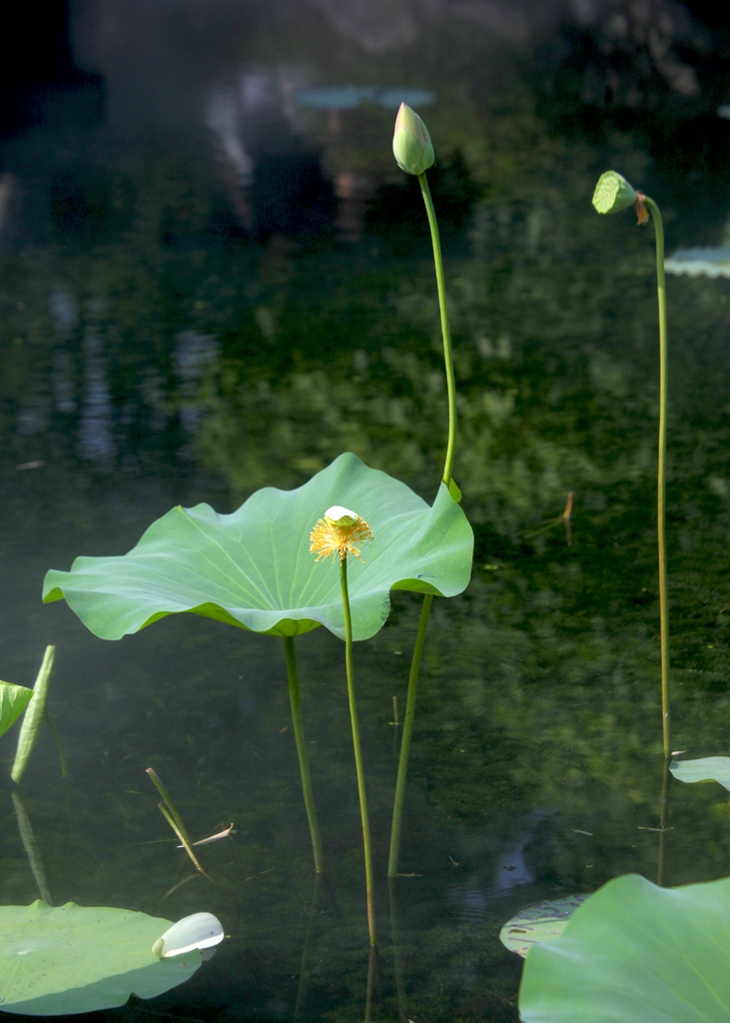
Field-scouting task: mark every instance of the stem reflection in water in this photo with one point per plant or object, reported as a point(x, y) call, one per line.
point(296, 714)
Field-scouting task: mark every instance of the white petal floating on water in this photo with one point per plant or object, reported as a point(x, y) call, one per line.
point(201, 930)
point(698, 262)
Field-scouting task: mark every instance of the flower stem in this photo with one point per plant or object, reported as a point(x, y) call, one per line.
point(358, 753)
point(296, 714)
point(661, 473)
point(400, 785)
point(446, 334)
point(400, 788)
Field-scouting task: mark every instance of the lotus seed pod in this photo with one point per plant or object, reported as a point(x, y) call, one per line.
point(339, 516)
point(613, 193)
point(201, 930)
point(412, 145)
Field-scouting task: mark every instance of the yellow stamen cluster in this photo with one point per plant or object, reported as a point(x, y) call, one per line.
point(339, 532)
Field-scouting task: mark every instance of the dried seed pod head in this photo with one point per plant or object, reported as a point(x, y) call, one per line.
point(412, 146)
point(613, 193)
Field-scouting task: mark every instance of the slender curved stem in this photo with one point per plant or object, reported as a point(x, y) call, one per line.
point(358, 753)
point(661, 474)
point(296, 715)
point(448, 355)
point(400, 785)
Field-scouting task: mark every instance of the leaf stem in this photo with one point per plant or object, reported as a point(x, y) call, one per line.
point(33, 717)
point(358, 754)
point(180, 828)
point(296, 714)
point(400, 785)
point(445, 332)
point(661, 473)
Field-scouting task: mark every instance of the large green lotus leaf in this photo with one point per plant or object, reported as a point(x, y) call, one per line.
point(636, 953)
point(538, 923)
point(706, 769)
point(253, 568)
point(69, 959)
point(13, 701)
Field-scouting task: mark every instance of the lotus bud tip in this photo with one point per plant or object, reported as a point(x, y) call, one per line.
point(412, 146)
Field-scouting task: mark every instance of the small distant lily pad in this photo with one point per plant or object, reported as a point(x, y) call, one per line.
point(336, 97)
point(350, 97)
point(70, 959)
point(541, 922)
point(707, 769)
point(699, 262)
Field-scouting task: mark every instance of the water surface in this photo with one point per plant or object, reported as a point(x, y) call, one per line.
point(194, 307)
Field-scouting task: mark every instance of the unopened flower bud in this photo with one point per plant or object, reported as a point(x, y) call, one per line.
point(613, 193)
point(412, 145)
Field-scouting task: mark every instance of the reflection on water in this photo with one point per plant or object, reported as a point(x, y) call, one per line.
point(230, 307)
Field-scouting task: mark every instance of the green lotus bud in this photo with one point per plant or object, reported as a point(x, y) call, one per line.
point(412, 146)
point(613, 193)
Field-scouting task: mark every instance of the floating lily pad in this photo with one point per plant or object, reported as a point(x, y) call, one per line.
point(541, 922)
point(349, 97)
point(336, 97)
point(391, 99)
point(253, 568)
point(13, 701)
point(707, 769)
point(635, 953)
point(697, 262)
point(69, 959)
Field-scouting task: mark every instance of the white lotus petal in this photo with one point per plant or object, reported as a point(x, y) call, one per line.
point(201, 930)
point(337, 512)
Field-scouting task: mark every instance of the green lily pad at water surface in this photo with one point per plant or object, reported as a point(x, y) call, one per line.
point(707, 769)
point(253, 568)
point(636, 953)
point(543, 921)
point(13, 701)
point(69, 959)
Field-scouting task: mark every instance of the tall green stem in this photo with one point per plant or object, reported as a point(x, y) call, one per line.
point(400, 788)
point(358, 753)
point(445, 332)
point(661, 474)
point(296, 714)
point(400, 785)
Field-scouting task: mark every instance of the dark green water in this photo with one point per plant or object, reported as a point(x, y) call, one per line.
point(154, 352)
